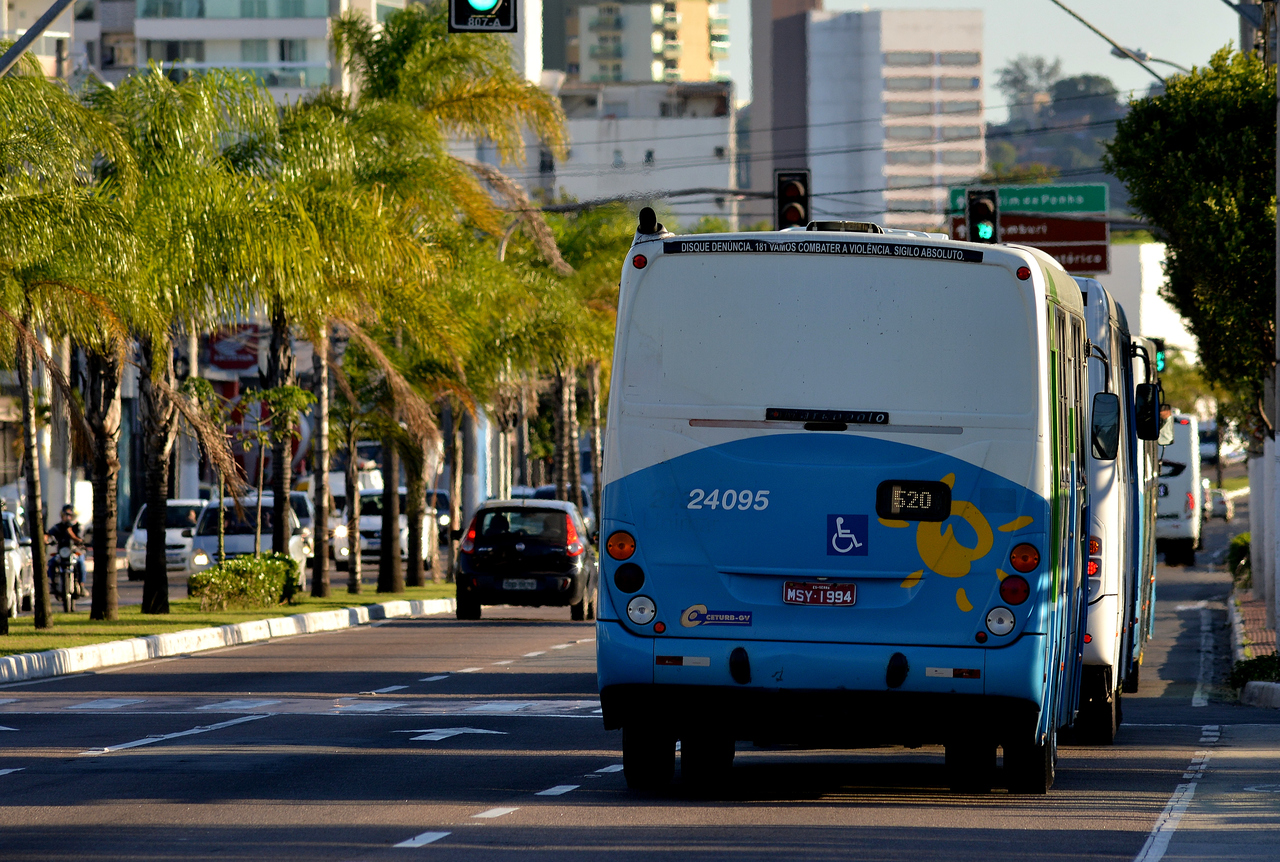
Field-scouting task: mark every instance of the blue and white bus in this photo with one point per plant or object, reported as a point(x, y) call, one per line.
point(844, 500)
point(1147, 469)
point(1119, 518)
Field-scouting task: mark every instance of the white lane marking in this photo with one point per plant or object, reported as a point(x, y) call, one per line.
point(508, 661)
point(1194, 606)
point(585, 640)
point(565, 646)
point(469, 670)
point(1162, 833)
point(94, 752)
point(237, 705)
point(420, 840)
point(1199, 697)
point(494, 812)
point(8, 700)
point(2, 727)
point(438, 676)
point(558, 790)
point(1256, 788)
point(616, 767)
point(20, 768)
point(435, 734)
point(386, 690)
point(534, 654)
point(500, 706)
point(366, 706)
point(105, 703)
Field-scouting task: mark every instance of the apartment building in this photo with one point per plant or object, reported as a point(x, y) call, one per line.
point(53, 49)
point(679, 40)
point(883, 107)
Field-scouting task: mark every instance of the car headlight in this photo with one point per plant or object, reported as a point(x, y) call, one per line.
point(200, 558)
point(443, 520)
point(340, 531)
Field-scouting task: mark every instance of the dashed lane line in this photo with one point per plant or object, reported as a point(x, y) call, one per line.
point(469, 670)
point(505, 661)
point(435, 678)
point(423, 839)
point(11, 771)
point(386, 690)
point(616, 767)
point(558, 790)
point(106, 703)
point(534, 654)
point(95, 752)
point(494, 812)
point(235, 705)
point(565, 646)
point(1162, 833)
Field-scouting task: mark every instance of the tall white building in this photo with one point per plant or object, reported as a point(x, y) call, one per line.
point(679, 40)
point(883, 107)
point(55, 48)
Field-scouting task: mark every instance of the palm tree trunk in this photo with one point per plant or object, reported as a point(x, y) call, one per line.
point(280, 372)
point(597, 447)
point(561, 465)
point(456, 525)
point(102, 410)
point(5, 607)
point(575, 460)
point(159, 429)
point(522, 436)
point(390, 572)
point(354, 569)
point(222, 520)
point(31, 466)
point(320, 469)
point(415, 509)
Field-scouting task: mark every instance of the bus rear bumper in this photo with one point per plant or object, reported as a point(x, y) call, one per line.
point(818, 694)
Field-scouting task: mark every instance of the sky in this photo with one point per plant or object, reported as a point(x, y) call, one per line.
point(1186, 32)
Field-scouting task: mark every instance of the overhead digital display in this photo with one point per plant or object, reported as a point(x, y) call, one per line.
point(913, 500)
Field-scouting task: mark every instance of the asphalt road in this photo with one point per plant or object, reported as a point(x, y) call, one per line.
point(437, 739)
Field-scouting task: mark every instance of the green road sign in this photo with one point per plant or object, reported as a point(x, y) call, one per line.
point(1079, 198)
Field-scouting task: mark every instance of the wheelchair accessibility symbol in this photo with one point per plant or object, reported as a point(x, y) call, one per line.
point(847, 535)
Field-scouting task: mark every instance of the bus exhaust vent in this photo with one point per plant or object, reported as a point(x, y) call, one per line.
point(846, 226)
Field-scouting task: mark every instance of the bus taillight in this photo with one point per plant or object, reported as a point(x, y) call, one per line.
point(621, 545)
point(1015, 590)
point(1024, 558)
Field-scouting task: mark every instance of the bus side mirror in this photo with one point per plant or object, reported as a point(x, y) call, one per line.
point(1166, 431)
point(1106, 426)
point(1146, 410)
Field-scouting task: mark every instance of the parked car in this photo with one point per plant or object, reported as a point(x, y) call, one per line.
point(179, 515)
point(238, 534)
point(527, 552)
point(19, 573)
point(438, 499)
point(371, 532)
point(305, 511)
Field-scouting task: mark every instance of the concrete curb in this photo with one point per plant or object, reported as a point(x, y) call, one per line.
point(56, 662)
point(1237, 628)
point(1261, 694)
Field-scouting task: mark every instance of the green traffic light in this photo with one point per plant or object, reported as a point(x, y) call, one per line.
point(1159, 360)
point(482, 5)
point(986, 230)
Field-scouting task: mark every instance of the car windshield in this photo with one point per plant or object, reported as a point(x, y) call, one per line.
point(438, 499)
point(183, 516)
point(371, 504)
point(233, 525)
point(546, 524)
point(299, 502)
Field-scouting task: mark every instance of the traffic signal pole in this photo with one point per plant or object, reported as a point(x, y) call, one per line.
point(33, 33)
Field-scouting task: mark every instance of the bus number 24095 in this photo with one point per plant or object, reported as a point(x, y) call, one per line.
point(728, 499)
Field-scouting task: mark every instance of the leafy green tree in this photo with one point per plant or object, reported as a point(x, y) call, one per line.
point(1199, 163)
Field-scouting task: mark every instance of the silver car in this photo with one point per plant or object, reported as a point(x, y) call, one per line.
point(238, 534)
point(19, 574)
point(179, 516)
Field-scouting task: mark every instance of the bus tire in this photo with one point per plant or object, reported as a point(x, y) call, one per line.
point(468, 609)
point(1098, 721)
point(1188, 554)
point(1030, 767)
point(1132, 679)
point(706, 760)
point(648, 758)
point(970, 765)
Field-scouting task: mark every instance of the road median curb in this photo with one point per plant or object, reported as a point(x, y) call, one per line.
point(66, 660)
point(1261, 694)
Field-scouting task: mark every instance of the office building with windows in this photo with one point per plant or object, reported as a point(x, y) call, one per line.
point(883, 107)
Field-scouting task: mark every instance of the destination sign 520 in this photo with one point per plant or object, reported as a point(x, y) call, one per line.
point(826, 246)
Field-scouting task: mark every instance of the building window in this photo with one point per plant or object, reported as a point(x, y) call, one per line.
point(959, 58)
point(908, 109)
point(961, 133)
point(253, 50)
point(909, 157)
point(908, 58)
point(909, 133)
point(957, 82)
point(175, 51)
point(293, 50)
point(960, 157)
point(119, 51)
point(292, 9)
point(253, 8)
point(917, 182)
point(618, 161)
point(648, 158)
point(910, 206)
point(914, 82)
point(961, 107)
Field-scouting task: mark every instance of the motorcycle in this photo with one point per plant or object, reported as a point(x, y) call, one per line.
point(62, 574)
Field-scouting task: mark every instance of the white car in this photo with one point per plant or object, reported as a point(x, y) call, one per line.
point(1179, 509)
point(18, 570)
point(371, 532)
point(180, 515)
point(238, 535)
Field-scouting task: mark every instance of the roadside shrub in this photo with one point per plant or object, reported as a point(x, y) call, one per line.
point(1238, 561)
point(1261, 669)
point(246, 582)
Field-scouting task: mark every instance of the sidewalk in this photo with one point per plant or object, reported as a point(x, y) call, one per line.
point(1257, 640)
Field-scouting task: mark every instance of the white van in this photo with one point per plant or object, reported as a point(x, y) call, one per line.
point(1179, 508)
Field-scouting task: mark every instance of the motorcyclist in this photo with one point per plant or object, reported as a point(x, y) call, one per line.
point(66, 534)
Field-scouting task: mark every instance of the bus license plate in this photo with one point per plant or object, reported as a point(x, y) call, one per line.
point(832, 595)
point(519, 584)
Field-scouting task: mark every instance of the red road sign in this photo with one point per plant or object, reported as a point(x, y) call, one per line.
point(1081, 246)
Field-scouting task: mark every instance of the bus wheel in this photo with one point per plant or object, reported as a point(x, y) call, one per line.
point(970, 765)
point(648, 758)
point(1098, 720)
point(1030, 767)
point(705, 760)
